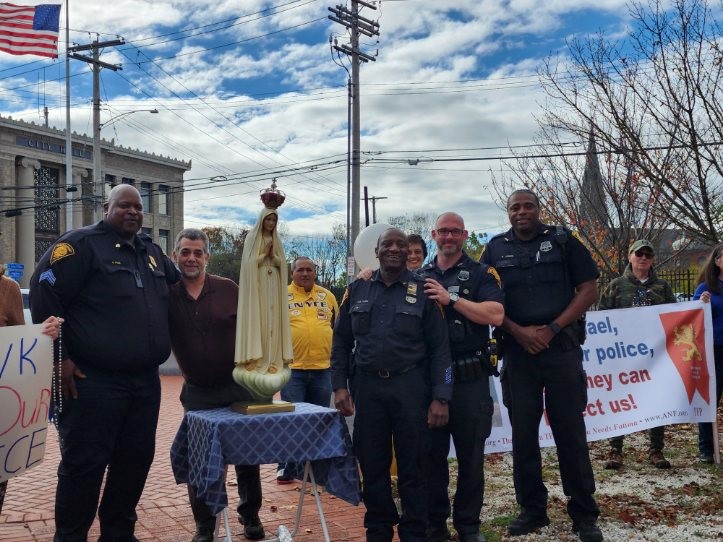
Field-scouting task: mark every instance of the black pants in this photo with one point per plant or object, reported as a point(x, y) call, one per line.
point(112, 424)
point(248, 476)
point(384, 407)
point(470, 423)
point(705, 430)
point(555, 380)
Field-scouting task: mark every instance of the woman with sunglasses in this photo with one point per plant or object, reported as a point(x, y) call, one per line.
point(639, 286)
point(710, 291)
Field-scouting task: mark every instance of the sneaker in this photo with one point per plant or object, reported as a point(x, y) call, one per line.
point(658, 460)
point(615, 460)
point(588, 531)
point(706, 457)
point(253, 530)
point(527, 523)
point(282, 478)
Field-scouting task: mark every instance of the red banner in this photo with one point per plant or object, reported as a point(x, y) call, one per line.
point(685, 343)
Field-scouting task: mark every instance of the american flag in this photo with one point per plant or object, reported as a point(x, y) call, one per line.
point(29, 30)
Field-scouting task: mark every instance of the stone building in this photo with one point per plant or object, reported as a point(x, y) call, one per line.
point(38, 203)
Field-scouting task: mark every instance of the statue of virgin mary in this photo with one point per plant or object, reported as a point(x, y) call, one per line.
point(263, 334)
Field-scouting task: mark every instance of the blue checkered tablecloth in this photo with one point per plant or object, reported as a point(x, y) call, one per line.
point(208, 440)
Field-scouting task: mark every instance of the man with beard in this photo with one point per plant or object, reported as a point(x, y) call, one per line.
point(472, 298)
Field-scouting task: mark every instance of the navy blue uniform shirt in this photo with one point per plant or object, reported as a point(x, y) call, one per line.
point(472, 281)
point(113, 296)
point(393, 327)
point(539, 275)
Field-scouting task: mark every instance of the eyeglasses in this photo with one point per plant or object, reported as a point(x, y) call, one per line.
point(455, 232)
point(644, 254)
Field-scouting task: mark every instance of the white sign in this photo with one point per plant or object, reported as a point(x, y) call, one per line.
point(26, 365)
point(646, 367)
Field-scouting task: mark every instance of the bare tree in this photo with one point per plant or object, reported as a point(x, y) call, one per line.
point(649, 108)
point(225, 245)
point(327, 252)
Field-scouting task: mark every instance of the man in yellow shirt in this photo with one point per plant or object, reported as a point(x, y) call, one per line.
point(312, 313)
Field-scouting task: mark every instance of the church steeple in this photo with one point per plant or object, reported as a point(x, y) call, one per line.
point(592, 199)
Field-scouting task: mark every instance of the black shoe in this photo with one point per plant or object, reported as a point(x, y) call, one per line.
point(203, 534)
point(438, 534)
point(282, 478)
point(588, 531)
point(253, 530)
point(658, 460)
point(706, 457)
point(471, 537)
point(526, 523)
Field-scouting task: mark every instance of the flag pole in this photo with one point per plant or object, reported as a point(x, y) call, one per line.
point(68, 140)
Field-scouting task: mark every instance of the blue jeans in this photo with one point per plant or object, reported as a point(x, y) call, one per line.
point(705, 430)
point(308, 386)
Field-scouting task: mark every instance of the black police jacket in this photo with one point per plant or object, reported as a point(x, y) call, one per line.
point(392, 328)
point(113, 296)
point(539, 275)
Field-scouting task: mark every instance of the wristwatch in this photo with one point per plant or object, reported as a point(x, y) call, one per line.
point(554, 327)
point(453, 298)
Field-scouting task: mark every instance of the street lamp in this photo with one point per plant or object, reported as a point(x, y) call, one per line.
point(98, 183)
point(113, 120)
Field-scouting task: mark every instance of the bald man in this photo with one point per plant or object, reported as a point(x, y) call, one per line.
point(110, 283)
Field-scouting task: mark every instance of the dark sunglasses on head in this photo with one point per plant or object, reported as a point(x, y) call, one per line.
point(644, 254)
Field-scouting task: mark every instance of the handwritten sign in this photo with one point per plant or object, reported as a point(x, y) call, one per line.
point(26, 364)
point(645, 366)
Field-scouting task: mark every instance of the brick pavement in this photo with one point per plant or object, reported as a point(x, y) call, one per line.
point(163, 512)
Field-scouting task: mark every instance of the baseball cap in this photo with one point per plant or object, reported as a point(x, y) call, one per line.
point(641, 243)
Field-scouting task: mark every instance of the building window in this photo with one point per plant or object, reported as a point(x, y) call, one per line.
point(163, 236)
point(163, 199)
point(128, 180)
point(47, 210)
point(148, 232)
point(108, 186)
point(146, 197)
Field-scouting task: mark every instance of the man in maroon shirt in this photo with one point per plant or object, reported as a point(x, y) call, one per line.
point(202, 318)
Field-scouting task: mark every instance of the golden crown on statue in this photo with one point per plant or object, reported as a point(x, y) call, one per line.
point(271, 197)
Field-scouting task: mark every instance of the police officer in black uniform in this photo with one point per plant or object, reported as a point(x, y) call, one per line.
point(550, 281)
point(472, 298)
point(399, 382)
point(111, 286)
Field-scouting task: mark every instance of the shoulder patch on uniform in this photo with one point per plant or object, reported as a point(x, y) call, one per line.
point(60, 251)
point(492, 271)
point(48, 276)
point(346, 295)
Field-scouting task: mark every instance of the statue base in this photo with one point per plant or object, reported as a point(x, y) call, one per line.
point(250, 407)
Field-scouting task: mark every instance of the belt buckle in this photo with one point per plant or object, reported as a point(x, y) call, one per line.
point(383, 373)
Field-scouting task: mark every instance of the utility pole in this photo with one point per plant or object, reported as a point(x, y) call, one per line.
point(357, 25)
point(373, 199)
point(96, 64)
point(374, 207)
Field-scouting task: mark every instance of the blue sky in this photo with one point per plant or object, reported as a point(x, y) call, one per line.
point(247, 90)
